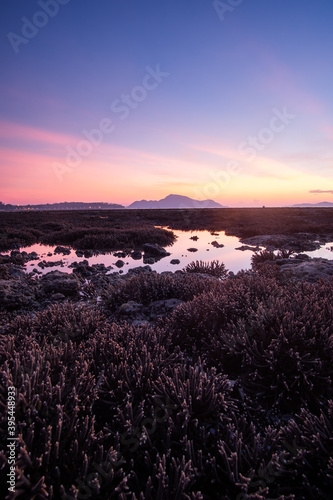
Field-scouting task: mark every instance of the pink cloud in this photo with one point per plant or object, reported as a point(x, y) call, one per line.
point(9, 130)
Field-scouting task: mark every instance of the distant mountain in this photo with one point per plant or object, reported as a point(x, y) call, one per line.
point(72, 205)
point(175, 201)
point(321, 204)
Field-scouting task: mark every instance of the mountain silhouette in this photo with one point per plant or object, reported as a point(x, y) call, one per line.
point(175, 201)
point(321, 204)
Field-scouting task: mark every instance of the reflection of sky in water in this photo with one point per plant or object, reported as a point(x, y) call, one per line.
point(234, 260)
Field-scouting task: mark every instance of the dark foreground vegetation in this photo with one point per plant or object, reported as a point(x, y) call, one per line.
point(224, 394)
point(114, 229)
point(190, 385)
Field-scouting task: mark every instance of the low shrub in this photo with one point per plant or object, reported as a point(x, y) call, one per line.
point(148, 287)
point(213, 268)
point(63, 322)
point(113, 238)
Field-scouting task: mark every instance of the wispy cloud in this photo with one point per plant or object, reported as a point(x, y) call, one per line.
point(262, 166)
point(10, 130)
point(321, 191)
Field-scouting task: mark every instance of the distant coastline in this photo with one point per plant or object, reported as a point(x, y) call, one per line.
point(169, 202)
point(61, 206)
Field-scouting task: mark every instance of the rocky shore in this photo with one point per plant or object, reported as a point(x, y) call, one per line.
point(197, 384)
point(22, 291)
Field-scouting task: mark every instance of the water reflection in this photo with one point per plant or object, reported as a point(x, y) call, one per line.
point(234, 260)
point(223, 250)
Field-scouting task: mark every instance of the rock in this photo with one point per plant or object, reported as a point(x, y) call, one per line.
point(148, 260)
point(15, 294)
point(162, 307)
point(298, 242)
point(282, 261)
point(136, 255)
point(130, 309)
point(247, 247)
point(154, 250)
point(175, 261)
point(83, 269)
point(88, 253)
point(119, 263)
point(57, 297)
point(76, 264)
point(194, 238)
point(45, 263)
point(63, 250)
point(192, 249)
point(140, 269)
point(302, 256)
point(309, 270)
point(100, 268)
point(121, 255)
point(32, 256)
point(59, 282)
point(216, 244)
point(138, 314)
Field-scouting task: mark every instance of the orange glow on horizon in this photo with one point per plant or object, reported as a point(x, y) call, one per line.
point(117, 174)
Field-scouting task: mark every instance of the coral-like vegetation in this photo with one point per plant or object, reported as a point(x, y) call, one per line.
point(110, 229)
point(146, 288)
point(80, 229)
point(264, 256)
point(213, 268)
point(228, 397)
point(277, 339)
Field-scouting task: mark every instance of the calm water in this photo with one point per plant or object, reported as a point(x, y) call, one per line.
point(234, 260)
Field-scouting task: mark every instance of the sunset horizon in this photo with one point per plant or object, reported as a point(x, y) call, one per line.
point(139, 198)
point(217, 102)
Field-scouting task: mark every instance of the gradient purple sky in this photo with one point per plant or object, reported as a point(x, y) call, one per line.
point(240, 110)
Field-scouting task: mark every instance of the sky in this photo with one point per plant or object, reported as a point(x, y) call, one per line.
point(118, 101)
